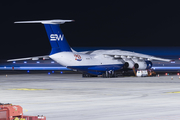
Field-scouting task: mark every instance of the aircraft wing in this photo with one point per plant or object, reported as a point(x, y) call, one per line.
point(30, 58)
point(138, 56)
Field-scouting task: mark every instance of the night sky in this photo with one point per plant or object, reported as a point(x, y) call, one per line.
point(97, 24)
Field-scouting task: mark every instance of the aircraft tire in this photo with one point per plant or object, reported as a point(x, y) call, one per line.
point(104, 75)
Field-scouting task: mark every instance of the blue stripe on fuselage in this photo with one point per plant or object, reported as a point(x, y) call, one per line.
point(97, 67)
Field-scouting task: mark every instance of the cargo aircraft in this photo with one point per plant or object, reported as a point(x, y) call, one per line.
point(90, 63)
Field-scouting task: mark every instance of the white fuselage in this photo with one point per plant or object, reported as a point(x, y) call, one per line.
point(88, 58)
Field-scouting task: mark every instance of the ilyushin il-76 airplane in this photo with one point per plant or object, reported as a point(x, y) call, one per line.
point(90, 63)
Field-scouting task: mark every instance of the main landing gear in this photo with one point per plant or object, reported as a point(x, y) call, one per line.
point(106, 74)
point(109, 74)
point(88, 75)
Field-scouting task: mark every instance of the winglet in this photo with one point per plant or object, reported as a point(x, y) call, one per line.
point(58, 21)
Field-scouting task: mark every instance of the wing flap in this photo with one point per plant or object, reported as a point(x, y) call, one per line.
point(138, 56)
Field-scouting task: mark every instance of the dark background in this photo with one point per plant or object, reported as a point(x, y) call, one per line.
point(97, 24)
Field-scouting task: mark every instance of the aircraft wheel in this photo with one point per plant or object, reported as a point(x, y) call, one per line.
point(104, 75)
point(111, 74)
point(115, 74)
point(85, 75)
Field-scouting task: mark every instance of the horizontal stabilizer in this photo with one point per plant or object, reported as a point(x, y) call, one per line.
point(30, 58)
point(58, 21)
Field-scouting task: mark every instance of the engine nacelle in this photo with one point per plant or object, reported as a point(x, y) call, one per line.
point(129, 64)
point(143, 65)
point(149, 64)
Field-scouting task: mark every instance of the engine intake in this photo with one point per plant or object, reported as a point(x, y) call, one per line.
point(129, 64)
point(149, 64)
point(126, 65)
point(136, 65)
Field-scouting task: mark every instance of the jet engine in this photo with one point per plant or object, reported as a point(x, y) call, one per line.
point(143, 65)
point(128, 64)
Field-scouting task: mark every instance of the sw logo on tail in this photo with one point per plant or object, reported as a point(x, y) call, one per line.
point(54, 37)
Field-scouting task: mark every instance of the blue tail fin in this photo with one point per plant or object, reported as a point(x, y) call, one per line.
point(56, 37)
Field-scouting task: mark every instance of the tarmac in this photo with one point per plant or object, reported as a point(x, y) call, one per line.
point(71, 97)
